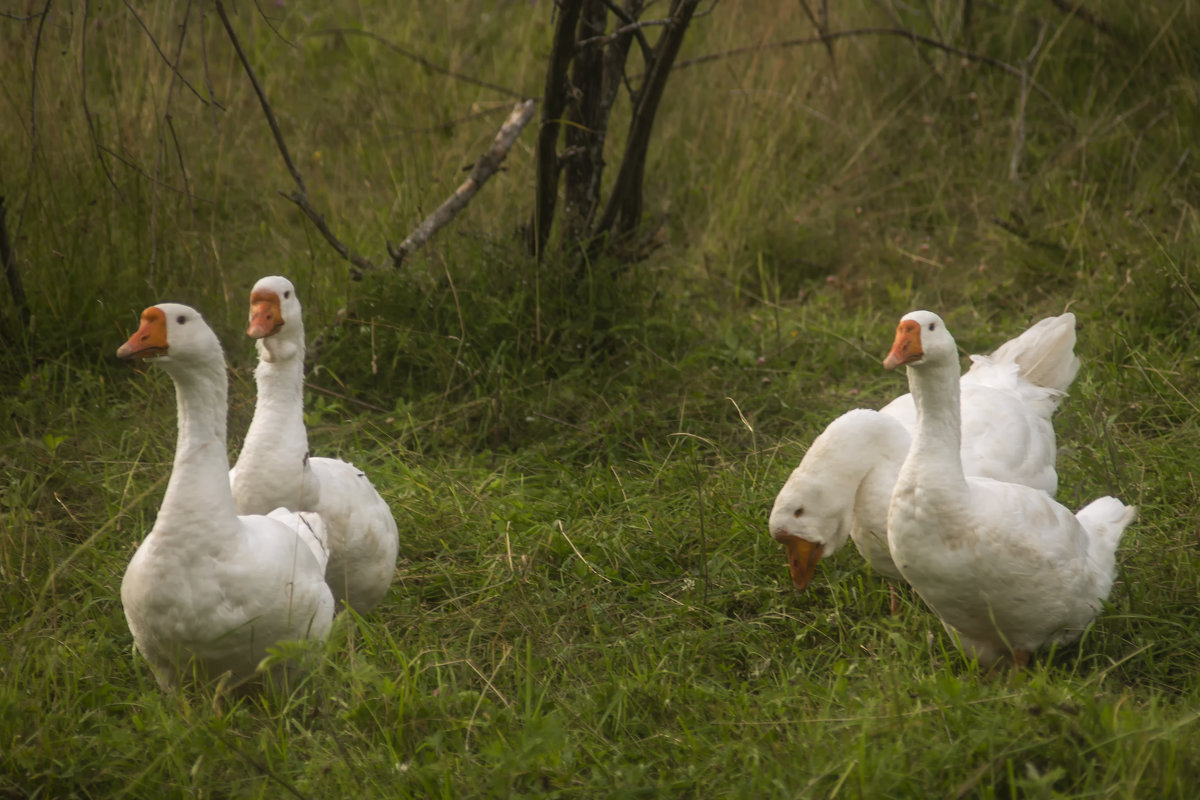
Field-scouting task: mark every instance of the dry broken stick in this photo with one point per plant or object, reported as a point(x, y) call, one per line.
point(485, 167)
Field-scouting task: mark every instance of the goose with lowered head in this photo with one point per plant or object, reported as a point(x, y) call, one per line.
point(843, 485)
point(1006, 568)
point(208, 591)
point(275, 469)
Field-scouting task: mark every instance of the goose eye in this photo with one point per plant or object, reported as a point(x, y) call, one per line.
point(181, 319)
point(932, 326)
point(286, 295)
point(798, 513)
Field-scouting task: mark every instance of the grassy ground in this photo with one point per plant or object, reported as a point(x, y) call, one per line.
point(587, 602)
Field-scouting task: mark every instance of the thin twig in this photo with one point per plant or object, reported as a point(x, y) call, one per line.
point(208, 85)
point(15, 286)
point(821, 23)
point(133, 166)
point(173, 65)
point(345, 397)
point(271, 25)
point(299, 197)
point(1075, 8)
point(1014, 162)
point(484, 168)
point(420, 59)
point(162, 142)
point(629, 18)
point(621, 31)
point(855, 32)
point(33, 127)
point(83, 94)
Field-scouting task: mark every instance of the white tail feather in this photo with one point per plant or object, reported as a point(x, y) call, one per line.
point(1045, 353)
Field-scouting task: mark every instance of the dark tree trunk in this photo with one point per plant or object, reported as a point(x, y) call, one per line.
point(583, 158)
point(554, 100)
point(624, 209)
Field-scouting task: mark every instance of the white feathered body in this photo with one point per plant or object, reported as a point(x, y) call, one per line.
point(1007, 399)
point(1005, 567)
point(275, 469)
point(207, 590)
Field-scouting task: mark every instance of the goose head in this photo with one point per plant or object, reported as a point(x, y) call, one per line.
point(275, 319)
point(810, 520)
point(921, 338)
point(171, 333)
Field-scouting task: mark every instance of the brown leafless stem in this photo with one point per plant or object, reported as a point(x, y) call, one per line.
point(608, 38)
point(15, 286)
point(174, 65)
point(554, 102)
point(87, 111)
point(855, 32)
point(1014, 163)
point(33, 123)
point(420, 59)
point(1075, 8)
point(300, 195)
point(484, 168)
point(624, 208)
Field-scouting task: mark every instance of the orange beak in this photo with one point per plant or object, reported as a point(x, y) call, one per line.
point(803, 556)
point(907, 346)
point(266, 318)
point(150, 339)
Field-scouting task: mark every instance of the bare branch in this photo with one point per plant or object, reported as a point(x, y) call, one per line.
point(554, 102)
point(624, 209)
point(161, 156)
point(33, 125)
point(425, 62)
point(821, 23)
point(83, 94)
point(262, 97)
point(621, 31)
point(484, 168)
point(173, 65)
point(271, 25)
point(901, 32)
point(208, 86)
point(10, 268)
point(299, 197)
point(1075, 8)
point(1014, 163)
point(629, 17)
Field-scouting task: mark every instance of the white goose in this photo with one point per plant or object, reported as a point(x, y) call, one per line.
point(843, 485)
point(274, 467)
point(1006, 568)
point(207, 589)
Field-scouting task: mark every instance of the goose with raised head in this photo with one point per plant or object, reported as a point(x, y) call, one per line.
point(209, 591)
point(843, 485)
point(1006, 568)
point(274, 467)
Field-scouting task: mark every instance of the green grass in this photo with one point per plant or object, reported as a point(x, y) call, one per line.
point(587, 603)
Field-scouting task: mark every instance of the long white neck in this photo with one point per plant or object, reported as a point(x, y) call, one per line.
point(198, 498)
point(938, 437)
point(277, 434)
point(854, 444)
point(855, 461)
point(273, 468)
